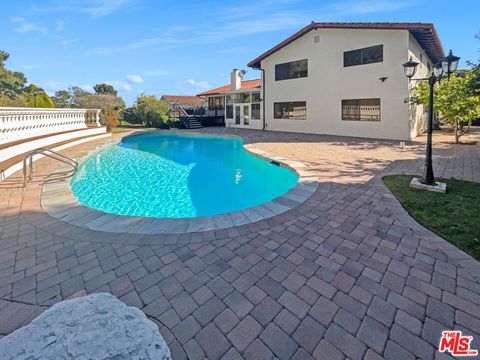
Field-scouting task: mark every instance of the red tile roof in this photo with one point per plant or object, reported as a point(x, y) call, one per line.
point(183, 99)
point(424, 33)
point(247, 84)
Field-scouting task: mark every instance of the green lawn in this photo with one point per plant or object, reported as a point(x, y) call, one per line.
point(453, 215)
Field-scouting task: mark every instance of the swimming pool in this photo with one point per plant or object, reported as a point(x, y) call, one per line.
point(178, 176)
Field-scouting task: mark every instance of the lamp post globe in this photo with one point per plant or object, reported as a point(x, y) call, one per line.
point(438, 70)
point(410, 68)
point(450, 63)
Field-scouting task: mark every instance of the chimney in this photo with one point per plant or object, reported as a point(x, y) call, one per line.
point(236, 79)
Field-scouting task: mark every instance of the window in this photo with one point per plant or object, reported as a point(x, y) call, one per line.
point(361, 110)
point(229, 112)
point(246, 114)
point(291, 70)
point(256, 97)
point(290, 110)
point(215, 102)
point(237, 115)
point(368, 55)
point(256, 111)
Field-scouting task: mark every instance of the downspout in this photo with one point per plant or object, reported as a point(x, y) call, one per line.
point(263, 98)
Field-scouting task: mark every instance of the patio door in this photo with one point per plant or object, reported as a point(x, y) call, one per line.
point(246, 115)
point(242, 115)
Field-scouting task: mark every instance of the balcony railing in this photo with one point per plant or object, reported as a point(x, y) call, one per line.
point(22, 123)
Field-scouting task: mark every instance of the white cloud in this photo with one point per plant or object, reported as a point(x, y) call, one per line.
point(95, 8)
point(100, 8)
point(88, 88)
point(53, 86)
point(230, 23)
point(369, 6)
point(59, 25)
point(233, 50)
point(137, 79)
point(66, 42)
point(119, 85)
point(157, 72)
point(193, 87)
point(33, 66)
point(24, 26)
point(139, 44)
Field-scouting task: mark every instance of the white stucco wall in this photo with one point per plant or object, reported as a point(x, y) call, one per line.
point(418, 116)
point(328, 82)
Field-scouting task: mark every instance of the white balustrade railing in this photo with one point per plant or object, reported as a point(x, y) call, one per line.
point(22, 123)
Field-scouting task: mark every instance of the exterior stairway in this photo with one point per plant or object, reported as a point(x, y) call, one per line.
point(193, 123)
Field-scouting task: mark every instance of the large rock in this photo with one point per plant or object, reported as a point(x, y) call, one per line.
point(91, 327)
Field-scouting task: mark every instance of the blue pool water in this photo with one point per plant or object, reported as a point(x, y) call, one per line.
point(177, 176)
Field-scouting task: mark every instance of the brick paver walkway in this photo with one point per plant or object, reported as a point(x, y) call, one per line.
point(347, 274)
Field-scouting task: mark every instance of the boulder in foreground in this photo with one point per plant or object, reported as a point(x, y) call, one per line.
point(93, 327)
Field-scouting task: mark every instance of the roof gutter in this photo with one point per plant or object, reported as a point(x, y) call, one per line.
point(263, 98)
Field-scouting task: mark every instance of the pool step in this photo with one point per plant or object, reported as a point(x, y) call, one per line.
point(194, 124)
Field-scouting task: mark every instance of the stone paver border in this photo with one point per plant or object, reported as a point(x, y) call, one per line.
point(59, 202)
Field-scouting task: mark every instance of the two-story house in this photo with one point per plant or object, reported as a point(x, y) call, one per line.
point(347, 79)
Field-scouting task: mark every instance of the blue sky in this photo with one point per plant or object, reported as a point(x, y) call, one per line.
point(184, 47)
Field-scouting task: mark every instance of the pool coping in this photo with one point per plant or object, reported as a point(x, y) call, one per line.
point(59, 202)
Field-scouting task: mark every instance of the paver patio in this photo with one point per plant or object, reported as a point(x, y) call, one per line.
point(346, 274)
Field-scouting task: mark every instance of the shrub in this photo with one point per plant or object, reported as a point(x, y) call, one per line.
point(110, 118)
point(130, 115)
point(151, 112)
point(12, 100)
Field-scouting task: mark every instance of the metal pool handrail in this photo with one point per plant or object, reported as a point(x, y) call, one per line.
point(28, 163)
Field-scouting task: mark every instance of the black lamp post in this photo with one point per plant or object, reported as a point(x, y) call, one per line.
point(35, 94)
point(444, 67)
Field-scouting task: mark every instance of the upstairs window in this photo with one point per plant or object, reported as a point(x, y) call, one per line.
point(368, 55)
point(291, 70)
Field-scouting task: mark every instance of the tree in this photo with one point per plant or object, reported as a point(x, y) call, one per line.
point(75, 90)
point(93, 101)
point(63, 99)
point(453, 101)
point(475, 82)
point(150, 111)
point(105, 89)
point(12, 83)
point(42, 98)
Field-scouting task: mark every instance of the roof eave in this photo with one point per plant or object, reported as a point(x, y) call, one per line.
point(256, 63)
